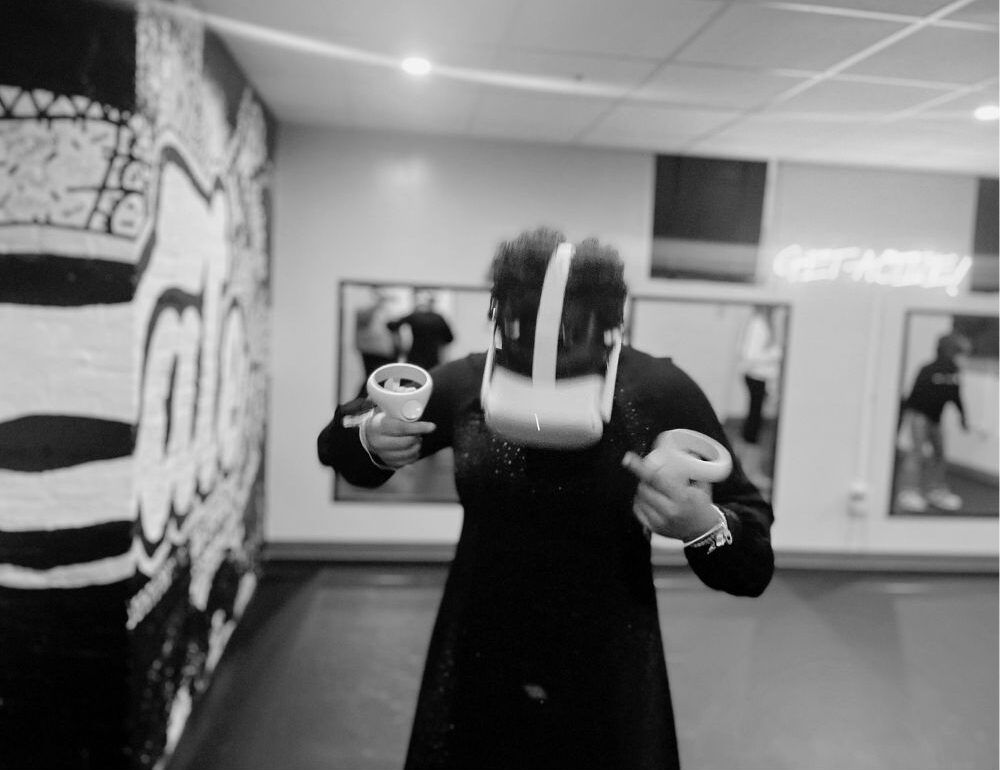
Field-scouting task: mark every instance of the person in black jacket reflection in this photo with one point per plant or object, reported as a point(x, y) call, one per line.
point(427, 330)
point(547, 650)
point(938, 383)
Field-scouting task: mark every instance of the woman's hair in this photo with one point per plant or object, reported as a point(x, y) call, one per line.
point(596, 277)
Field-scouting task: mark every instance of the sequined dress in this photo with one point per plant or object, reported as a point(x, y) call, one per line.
point(546, 651)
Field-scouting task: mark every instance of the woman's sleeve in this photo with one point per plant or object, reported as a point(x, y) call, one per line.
point(746, 566)
point(454, 383)
point(339, 446)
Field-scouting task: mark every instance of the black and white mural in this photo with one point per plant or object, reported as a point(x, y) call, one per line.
point(135, 174)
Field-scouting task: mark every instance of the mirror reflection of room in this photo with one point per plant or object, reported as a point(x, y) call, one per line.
point(946, 448)
point(761, 354)
point(423, 334)
point(394, 322)
point(737, 355)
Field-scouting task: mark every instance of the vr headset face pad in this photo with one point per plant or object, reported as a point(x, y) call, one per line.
point(581, 350)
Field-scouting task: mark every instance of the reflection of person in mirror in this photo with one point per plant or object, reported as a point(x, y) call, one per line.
point(547, 650)
point(921, 439)
point(427, 332)
point(372, 336)
point(760, 363)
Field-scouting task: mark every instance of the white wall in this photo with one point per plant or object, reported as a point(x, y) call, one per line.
point(396, 208)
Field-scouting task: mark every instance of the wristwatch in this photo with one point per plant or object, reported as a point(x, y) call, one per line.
point(716, 537)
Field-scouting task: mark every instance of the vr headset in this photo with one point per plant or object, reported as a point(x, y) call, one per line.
point(542, 410)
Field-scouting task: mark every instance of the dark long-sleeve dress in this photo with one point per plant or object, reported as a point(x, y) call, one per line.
point(546, 652)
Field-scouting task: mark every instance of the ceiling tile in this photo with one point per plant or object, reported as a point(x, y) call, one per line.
point(936, 54)
point(735, 146)
point(638, 28)
point(902, 7)
point(963, 106)
point(392, 28)
point(767, 131)
point(656, 125)
point(523, 115)
point(623, 72)
point(430, 24)
point(760, 36)
point(866, 99)
point(721, 96)
point(910, 144)
point(662, 143)
point(715, 86)
point(980, 12)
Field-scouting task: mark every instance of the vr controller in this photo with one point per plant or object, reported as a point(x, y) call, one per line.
point(686, 455)
point(401, 390)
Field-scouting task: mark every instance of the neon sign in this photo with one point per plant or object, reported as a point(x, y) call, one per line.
point(890, 267)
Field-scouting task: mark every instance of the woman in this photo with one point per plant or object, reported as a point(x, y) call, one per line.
point(547, 652)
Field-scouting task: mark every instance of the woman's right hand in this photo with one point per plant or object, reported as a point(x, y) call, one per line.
point(395, 442)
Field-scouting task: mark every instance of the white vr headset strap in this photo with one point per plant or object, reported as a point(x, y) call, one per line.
point(611, 377)
point(547, 324)
point(488, 368)
point(549, 319)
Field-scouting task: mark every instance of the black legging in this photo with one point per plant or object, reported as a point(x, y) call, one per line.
point(751, 425)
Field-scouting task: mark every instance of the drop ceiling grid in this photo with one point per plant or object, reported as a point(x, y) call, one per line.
point(690, 75)
point(820, 95)
point(936, 55)
point(650, 29)
point(774, 38)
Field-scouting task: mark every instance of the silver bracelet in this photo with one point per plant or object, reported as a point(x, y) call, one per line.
point(717, 536)
point(362, 425)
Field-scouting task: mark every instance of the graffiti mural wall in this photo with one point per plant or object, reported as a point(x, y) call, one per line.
point(135, 174)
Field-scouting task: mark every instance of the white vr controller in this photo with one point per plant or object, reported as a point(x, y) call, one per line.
point(686, 455)
point(403, 401)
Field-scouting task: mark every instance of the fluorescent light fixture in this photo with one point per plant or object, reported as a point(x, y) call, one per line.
point(987, 112)
point(415, 65)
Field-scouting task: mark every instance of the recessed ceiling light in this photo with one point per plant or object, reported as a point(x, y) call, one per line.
point(987, 112)
point(415, 65)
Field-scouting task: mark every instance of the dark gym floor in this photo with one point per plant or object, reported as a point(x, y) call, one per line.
point(839, 670)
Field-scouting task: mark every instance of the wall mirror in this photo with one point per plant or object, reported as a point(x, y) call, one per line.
point(382, 322)
point(738, 362)
point(942, 467)
point(737, 357)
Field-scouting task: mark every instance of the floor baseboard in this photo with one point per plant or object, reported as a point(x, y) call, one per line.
point(804, 560)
